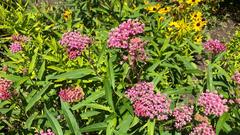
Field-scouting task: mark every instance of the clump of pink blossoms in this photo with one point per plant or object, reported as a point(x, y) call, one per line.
point(183, 116)
point(75, 43)
point(118, 37)
point(71, 94)
point(214, 46)
point(139, 90)
point(203, 129)
point(20, 38)
point(136, 50)
point(124, 36)
point(148, 104)
point(4, 87)
point(212, 103)
point(236, 77)
point(15, 47)
point(48, 132)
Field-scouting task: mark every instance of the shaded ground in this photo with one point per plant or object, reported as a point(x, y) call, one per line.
point(228, 20)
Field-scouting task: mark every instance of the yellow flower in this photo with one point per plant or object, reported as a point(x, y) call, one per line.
point(193, 2)
point(161, 18)
point(153, 8)
point(175, 24)
point(67, 14)
point(164, 10)
point(198, 25)
point(197, 15)
point(181, 26)
point(198, 38)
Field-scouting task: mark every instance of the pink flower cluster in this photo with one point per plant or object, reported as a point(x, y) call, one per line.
point(139, 90)
point(136, 50)
point(203, 129)
point(212, 104)
point(71, 94)
point(124, 37)
point(119, 36)
point(75, 43)
point(4, 87)
point(48, 132)
point(148, 104)
point(15, 47)
point(183, 115)
point(18, 40)
point(214, 46)
point(236, 77)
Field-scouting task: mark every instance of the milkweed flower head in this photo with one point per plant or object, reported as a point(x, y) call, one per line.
point(15, 47)
point(183, 115)
point(20, 38)
point(75, 43)
point(118, 37)
point(18, 41)
point(71, 94)
point(124, 37)
point(203, 129)
point(136, 50)
point(148, 104)
point(48, 132)
point(212, 103)
point(214, 46)
point(236, 77)
point(139, 90)
point(73, 53)
point(4, 89)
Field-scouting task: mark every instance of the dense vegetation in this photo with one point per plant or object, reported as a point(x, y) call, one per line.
point(117, 67)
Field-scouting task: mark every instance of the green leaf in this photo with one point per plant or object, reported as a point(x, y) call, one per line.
point(89, 114)
point(111, 124)
point(33, 61)
point(30, 120)
point(54, 123)
point(150, 127)
point(98, 106)
point(221, 121)
point(72, 122)
point(13, 78)
point(36, 97)
point(94, 127)
point(50, 58)
point(108, 92)
point(6, 110)
point(110, 73)
point(74, 74)
point(227, 128)
point(165, 45)
point(124, 125)
point(209, 77)
point(41, 70)
point(56, 68)
point(89, 99)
